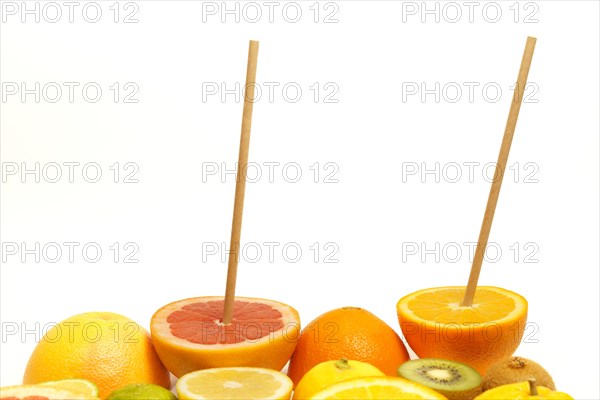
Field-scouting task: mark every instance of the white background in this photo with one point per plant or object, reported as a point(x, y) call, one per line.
point(373, 215)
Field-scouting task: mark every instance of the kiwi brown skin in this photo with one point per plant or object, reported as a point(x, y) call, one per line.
point(461, 370)
point(514, 370)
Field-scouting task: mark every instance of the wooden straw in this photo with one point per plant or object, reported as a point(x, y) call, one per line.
point(488, 217)
point(240, 187)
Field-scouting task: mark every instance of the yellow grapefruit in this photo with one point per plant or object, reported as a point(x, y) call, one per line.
point(108, 349)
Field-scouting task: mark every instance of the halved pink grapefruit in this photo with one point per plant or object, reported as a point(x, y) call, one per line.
point(39, 392)
point(188, 334)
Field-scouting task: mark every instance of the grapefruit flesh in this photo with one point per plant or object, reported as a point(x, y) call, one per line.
point(201, 322)
point(189, 334)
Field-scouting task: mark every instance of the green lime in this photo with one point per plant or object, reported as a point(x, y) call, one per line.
point(141, 391)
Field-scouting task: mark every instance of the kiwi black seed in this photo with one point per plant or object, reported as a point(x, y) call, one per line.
point(456, 381)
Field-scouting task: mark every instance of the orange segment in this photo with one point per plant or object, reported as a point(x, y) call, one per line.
point(435, 324)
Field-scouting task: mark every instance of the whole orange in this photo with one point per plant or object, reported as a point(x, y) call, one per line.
point(108, 349)
point(351, 333)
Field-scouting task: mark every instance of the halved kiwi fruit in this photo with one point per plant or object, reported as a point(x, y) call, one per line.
point(456, 381)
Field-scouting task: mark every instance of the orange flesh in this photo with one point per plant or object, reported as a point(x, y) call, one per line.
point(444, 307)
point(201, 322)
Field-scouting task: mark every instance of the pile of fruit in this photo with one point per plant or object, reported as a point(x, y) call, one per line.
point(347, 353)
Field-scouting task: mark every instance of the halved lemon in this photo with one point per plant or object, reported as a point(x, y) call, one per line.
point(381, 387)
point(234, 383)
point(82, 386)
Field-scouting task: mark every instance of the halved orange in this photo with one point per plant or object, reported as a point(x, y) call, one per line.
point(435, 324)
point(380, 387)
point(188, 334)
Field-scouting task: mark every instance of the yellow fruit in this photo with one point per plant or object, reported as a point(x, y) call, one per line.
point(108, 349)
point(522, 390)
point(435, 324)
point(81, 386)
point(40, 392)
point(383, 387)
point(189, 335)
point(329, 372)
point(234, 383)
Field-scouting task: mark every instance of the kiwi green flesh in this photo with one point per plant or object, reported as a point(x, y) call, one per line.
point(441, 375)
